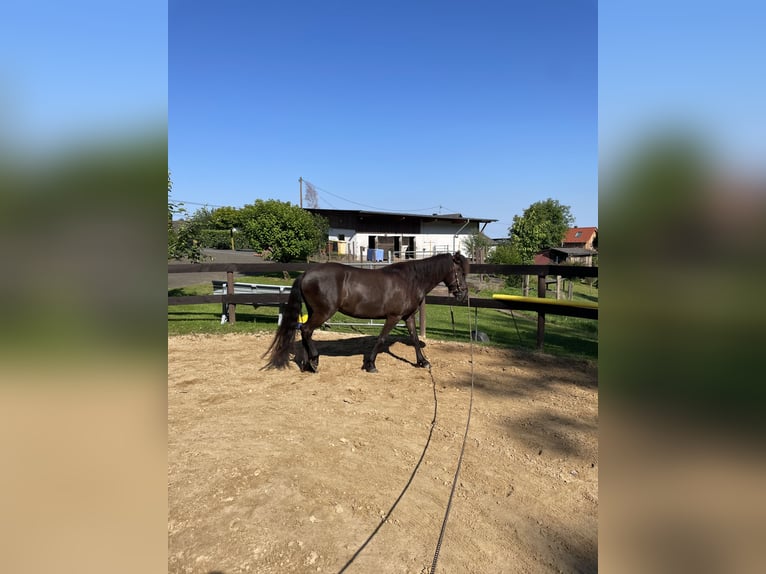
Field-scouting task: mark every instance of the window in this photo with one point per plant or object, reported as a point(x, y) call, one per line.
point(578, 234)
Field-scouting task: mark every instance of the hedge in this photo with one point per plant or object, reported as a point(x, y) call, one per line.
point(221, 239)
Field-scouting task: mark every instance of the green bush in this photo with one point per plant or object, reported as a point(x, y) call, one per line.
point(183, 244)
point(215, 239)
point(507, 254)
point(282, 231)
point(221, 239)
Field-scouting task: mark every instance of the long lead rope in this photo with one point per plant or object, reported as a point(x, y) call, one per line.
point(406, 486)
point(417, 466)
point(462, 450)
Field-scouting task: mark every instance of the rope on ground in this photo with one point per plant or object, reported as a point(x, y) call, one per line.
point(406, 486)
point(517, 327)
point(462, 450)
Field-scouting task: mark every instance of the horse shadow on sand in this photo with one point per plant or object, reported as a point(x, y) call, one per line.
point(358, 347)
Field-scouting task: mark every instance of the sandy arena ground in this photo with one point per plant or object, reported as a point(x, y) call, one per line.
point(282, 471)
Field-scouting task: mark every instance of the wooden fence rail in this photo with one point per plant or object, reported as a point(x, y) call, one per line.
point(485, 268)
point(540, 271)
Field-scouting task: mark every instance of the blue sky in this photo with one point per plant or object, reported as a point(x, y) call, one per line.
point(80, 70)
point(480, 108)
point(688, 65)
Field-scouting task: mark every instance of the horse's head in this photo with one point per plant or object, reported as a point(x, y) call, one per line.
point(455, 280)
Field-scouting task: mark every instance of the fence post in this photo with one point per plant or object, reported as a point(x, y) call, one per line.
point(541, 288)
point(231, 307)
point(422, 319)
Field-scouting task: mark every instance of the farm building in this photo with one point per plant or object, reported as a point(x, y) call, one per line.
point(382, 236)
point(568, 255)
point(578, 247)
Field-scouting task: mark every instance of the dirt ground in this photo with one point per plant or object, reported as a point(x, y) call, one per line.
point(282, 471)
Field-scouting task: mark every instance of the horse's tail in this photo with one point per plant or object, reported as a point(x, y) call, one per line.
point(279, 350)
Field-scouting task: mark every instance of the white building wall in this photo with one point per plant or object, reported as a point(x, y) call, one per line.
point(443, 236)
point(433, 244)
point(334, 232)
point(435, 238)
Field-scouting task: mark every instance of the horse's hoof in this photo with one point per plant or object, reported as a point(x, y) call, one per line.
point(370, 368)
point(424, 365)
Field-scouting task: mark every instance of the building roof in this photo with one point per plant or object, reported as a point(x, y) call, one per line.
point(573, 251)
point(579, 234)
point(451, 217)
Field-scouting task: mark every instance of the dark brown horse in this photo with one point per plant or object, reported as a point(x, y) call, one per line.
point(392, 293)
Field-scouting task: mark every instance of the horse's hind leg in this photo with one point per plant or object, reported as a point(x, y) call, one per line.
point(311, 358)
point(419, 356)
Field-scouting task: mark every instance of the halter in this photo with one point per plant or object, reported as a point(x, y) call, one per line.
point(454, 284)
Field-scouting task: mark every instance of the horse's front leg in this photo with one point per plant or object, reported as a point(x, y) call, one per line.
point(369, 362)
point(419, 356)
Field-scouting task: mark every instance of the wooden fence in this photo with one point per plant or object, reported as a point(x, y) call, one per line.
point(540, 271)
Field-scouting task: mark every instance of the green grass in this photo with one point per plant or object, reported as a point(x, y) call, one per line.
point(564, 336)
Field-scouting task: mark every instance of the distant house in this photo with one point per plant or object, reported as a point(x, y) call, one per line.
point(582, 237)
point(397, 235)
point(577, 248)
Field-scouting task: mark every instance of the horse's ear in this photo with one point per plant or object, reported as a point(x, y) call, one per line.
point(461, 260)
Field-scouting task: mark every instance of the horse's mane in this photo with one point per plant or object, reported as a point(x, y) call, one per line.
point(431, 268)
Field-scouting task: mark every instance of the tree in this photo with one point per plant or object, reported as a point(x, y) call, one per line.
point(172, 208)
point(226, 218)
point(183, 242)
point(476, 242)
point(172, 205)
point(283, 231)
point(543, 224)
point(310, 198)
point(507, 254)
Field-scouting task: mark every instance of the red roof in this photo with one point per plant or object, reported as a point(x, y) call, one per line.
point(541, 259)
point(585, 233)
